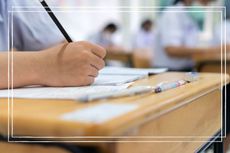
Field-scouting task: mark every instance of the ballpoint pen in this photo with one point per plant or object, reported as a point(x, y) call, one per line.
point(163, 86)
point(121, 93)
point(189, 77)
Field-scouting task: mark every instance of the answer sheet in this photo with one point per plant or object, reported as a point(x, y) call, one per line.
point(72, 93)
point(109, 79)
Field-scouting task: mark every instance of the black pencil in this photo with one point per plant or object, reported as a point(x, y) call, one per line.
point(55, 20)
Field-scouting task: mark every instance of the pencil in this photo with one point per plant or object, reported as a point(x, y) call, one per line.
point(55, 20)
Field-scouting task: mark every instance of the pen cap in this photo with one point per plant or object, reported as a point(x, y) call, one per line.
point(191, 76)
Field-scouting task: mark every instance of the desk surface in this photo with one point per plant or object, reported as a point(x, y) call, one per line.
point(42, 117)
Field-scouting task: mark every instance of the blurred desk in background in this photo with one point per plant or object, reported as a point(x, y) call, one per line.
point(121, 56)
point(138, 58)
point(211, 62)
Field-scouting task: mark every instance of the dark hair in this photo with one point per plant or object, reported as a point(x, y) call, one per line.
point(147, 21)
point(111, 26)
point(177, 1)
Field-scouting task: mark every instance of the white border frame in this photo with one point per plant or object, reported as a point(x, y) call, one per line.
point(10, 99)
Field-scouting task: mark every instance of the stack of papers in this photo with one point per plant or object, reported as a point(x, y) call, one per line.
point(109, 79)
point(73, 93)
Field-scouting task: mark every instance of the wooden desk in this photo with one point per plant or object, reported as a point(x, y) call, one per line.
point(26, 148)
point(122, 56)
point(211, 62)
point(142, 58)
point(138, 58)
point(173, 118)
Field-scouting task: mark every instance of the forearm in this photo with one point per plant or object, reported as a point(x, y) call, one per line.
point(67, 64)
point(20, 69)
point(188, 51)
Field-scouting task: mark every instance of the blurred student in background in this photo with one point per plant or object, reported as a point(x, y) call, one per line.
point(105, 38)
point(143, 44)
point(177, 36)
point(144, 39)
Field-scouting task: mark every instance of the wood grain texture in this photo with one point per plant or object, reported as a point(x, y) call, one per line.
point(196, 121)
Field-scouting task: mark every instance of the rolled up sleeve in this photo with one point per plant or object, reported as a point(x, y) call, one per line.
point(34, 31)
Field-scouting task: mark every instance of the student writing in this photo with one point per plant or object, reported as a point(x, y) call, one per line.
point(54, 64)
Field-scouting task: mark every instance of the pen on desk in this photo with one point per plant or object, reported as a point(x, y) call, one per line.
point(189, 77)
point(163, 86)
point(55, 20)
point(169, 85)
point(114, 94)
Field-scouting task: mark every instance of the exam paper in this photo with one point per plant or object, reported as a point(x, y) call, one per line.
point(103, 83)
point(110, 79)
point(99, 113)
point(112, 70)
point(58, 93)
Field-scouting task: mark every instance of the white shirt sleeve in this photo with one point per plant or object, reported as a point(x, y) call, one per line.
point(34, 30)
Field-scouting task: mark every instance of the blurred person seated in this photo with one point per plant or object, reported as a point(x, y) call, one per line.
point(144, 39)
point(106, 38)
point(143, 44)
point(177, 36)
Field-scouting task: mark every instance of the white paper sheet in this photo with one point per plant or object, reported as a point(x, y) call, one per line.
point(57, 93)
point(131, 71)
point(99, 113)
point(116, 79)
point(103, 83)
